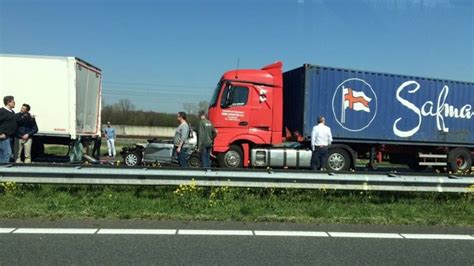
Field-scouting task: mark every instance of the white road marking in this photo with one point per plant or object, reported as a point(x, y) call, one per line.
point(70, 231)
point(364, 235)
point(291, 233)
point(217, 232)
point(106, 231)
point(6, 230)
point(438, 236)
point(136, 232)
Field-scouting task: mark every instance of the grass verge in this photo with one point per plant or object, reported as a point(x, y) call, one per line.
point(234, 204)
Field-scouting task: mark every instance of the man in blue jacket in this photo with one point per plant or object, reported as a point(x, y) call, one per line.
point(26, 129)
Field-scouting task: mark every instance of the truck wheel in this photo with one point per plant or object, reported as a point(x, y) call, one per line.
point(132, 159)
point(194, 160)
point(338, 160)
point(459, 159)
point(232, 158)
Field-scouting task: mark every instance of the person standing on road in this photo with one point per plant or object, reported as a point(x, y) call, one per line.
point(8, 125)
point(180, 137)
point(109, 133)
point(321, 138)
point(206, 135)
point(97, 144)
point(27, 127)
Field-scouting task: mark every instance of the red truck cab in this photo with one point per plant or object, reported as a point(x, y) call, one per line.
point(250, 109)
point(247, 111)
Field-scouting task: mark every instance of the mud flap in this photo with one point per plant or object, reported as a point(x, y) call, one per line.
point(75, 155)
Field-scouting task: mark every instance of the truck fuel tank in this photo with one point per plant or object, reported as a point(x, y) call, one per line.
point(291, 158)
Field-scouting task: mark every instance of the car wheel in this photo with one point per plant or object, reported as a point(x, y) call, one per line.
point(132, 159)
point(194, 160)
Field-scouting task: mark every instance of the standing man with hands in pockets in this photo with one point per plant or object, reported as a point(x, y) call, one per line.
point(206, 135)
point(321, 138)
point(27, 127)
point(109, 133)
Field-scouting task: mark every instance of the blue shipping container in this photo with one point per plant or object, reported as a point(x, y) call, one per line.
point(362, 106)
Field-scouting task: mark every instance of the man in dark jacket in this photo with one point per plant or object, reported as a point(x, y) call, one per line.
point(96, 149)
point(8, 126)
point(26, 129)
point(206, 135)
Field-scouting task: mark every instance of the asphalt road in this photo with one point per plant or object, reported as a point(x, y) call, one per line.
point(97, 249)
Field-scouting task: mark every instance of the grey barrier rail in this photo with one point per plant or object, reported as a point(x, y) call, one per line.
point(216, 177)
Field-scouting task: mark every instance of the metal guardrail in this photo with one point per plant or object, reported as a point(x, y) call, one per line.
point(264, 179)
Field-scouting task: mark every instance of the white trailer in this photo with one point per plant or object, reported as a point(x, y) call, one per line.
point(64, 94)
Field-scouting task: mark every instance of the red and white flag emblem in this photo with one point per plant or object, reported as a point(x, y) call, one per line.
point(355, 100)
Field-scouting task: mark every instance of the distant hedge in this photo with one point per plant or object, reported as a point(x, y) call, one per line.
point(142, 118)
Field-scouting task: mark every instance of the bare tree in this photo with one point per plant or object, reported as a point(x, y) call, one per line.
point(203, 105)
point(125, 105)
point(190, 108)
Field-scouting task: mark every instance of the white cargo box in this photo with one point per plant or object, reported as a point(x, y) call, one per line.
point(64, 92)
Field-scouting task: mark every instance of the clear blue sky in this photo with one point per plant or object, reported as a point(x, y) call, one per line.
point(160, 54)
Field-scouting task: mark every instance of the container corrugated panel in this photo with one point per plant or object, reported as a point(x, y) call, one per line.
point(362, 106)
point(293, 96)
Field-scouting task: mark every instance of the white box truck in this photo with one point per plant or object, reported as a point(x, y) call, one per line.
point(64, 94)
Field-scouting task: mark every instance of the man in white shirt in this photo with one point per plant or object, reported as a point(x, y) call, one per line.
point(321, 138)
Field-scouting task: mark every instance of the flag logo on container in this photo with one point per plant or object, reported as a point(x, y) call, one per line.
point(354, 104)
point(354, 100)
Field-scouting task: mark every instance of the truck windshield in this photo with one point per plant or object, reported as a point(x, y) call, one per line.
point(215, 95)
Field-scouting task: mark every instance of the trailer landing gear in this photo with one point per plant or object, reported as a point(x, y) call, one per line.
point(372, 164)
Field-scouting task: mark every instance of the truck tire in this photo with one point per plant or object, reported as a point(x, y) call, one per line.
point(338, 160)
point(459, 160)
point(194, 160)
point(133, 158)
point(232, 158)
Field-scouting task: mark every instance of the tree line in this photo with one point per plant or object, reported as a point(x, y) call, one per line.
point(124, 113)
